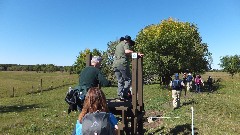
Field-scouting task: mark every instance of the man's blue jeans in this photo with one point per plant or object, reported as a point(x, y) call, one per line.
point(124, 80)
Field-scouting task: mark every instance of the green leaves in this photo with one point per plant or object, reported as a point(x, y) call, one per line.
point(230, 64)
point(172, 46)
point(80, 63)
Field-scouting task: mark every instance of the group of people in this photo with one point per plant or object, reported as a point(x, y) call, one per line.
point(186, 83)
point(93, 98)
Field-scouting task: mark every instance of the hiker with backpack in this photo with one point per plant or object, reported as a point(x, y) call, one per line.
point(176, 84)
point(95, 117)
point(210, 84)
point(90, 76)
point(189, 81)
point(121, 66)
point(198, 83)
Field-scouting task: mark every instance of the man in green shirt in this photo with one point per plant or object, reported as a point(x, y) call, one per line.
point(121, 66)
point(91, 76)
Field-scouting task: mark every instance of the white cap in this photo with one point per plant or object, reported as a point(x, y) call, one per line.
point(189, 73)
point(96, 59)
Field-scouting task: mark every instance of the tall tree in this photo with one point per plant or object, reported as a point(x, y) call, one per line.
point(171, 47)
point(230, 64)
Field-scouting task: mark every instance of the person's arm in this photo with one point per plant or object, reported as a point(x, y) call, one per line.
point(182, 83)
point(113, 120)
point(128, 51)
point(78, 129)
point(102, 80)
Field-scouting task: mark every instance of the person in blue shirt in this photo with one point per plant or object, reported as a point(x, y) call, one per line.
point(95, 101)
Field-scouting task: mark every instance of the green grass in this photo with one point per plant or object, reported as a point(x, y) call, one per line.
point(45, 113)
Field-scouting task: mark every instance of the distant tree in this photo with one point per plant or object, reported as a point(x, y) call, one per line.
point(230, 64)
point(50, 68)
point(172, 47)
point(37, 68)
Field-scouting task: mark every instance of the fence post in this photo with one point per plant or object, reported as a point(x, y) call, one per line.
point(41, 86)
point(13, 94)
point(32, 90)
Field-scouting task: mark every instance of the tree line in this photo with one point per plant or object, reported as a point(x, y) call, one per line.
point(38, 68)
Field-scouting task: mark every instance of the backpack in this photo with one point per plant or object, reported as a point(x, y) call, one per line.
point(209, 81)
point(189, 78)
point(75, 98)
point(198, 81)
point(176, 85)
point(97, 123)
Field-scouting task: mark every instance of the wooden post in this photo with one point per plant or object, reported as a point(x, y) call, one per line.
point(13, 94)
point(134, 93)
point(32, 90)
point(88, 59)
point(140, 84)
point(140, 95)
point(41, 86)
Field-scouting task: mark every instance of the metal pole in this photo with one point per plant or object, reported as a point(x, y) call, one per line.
point(192, 121)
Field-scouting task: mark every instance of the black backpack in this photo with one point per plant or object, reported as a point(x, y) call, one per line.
point(72, 98)
point(189, 78)
point(97, 123)
point(176, 85)
point(209, 81)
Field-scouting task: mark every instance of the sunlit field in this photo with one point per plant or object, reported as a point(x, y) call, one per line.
point(32, 109)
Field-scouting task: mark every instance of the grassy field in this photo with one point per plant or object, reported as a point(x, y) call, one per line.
point(45, 113)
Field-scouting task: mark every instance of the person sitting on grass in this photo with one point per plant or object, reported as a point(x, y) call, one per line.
point(95, 103)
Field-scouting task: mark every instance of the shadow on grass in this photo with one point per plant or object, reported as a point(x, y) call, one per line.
point(185, 129)
point(189, 102)
point(157, 131)
point(17, 108)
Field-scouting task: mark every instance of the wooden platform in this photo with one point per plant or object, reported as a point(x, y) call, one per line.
point(115, 106)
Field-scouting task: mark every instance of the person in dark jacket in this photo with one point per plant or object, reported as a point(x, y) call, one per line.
point(89, 77)
point(210, 84)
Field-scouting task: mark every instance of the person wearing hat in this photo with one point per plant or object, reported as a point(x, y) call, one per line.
point(121, 66)
point(176, 84)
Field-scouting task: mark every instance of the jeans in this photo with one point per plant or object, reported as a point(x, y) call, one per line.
point(124, 80)
point(198, 87)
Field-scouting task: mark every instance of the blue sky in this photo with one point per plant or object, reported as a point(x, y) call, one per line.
point(55, 31)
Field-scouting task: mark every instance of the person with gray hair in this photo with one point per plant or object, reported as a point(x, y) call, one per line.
point(91, 76)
